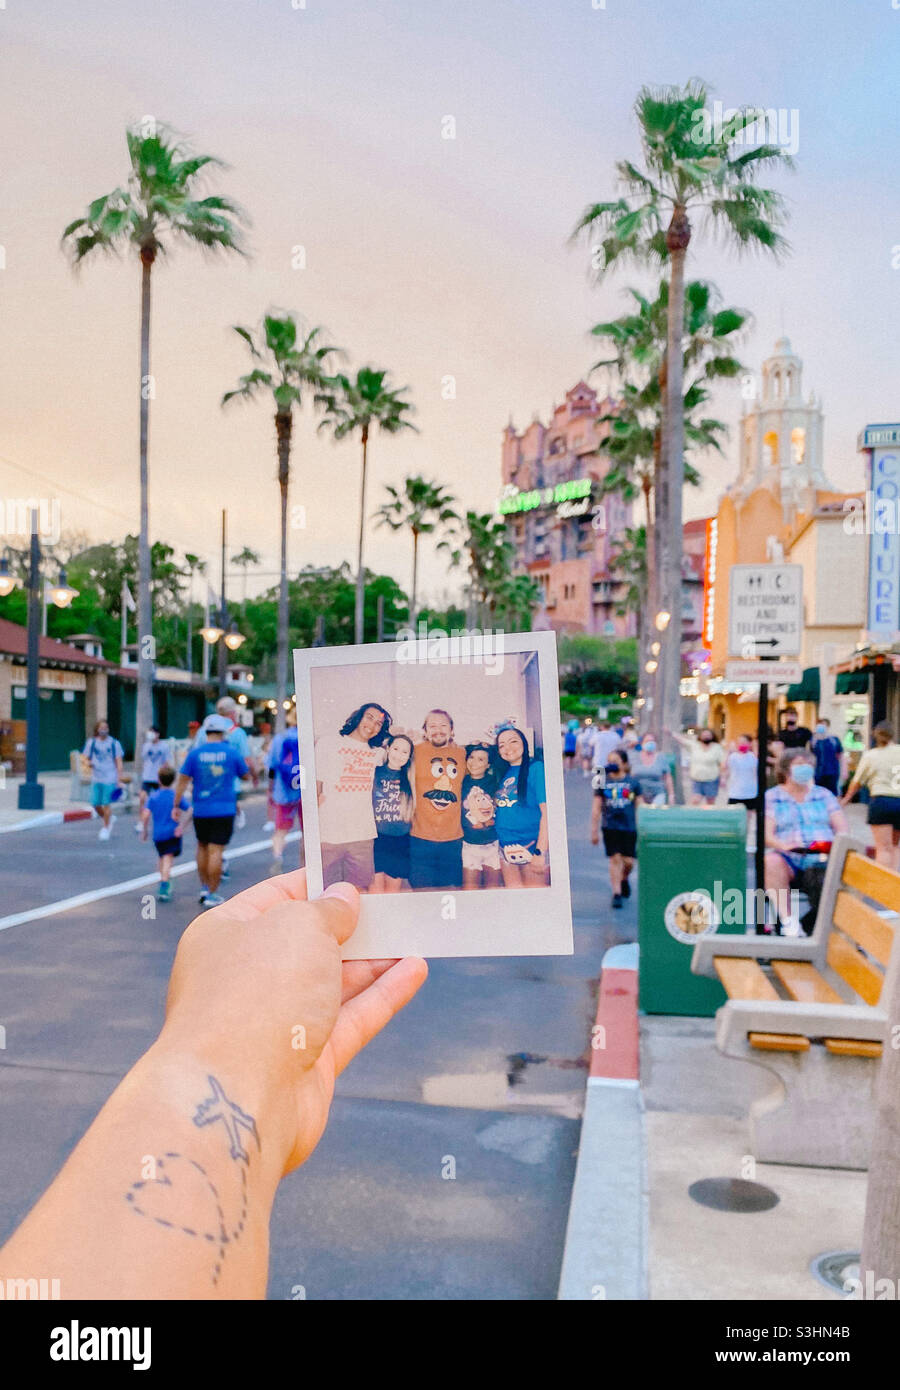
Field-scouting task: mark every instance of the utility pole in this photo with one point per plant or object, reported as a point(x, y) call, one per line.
point(223, 622)
point(31, 793)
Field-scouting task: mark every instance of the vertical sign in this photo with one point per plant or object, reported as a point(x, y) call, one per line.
point(884, 541)
point(709, 581)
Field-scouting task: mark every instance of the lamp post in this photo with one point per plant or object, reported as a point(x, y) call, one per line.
point(31, 792)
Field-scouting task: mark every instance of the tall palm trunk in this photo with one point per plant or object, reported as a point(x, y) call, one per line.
point(412, 597)
point(677, 238)
point(360, 572)
point(283, 421)
point(647, 608)
point(146, 652)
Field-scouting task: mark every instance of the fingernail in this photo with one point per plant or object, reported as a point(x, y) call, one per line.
point(345, 891)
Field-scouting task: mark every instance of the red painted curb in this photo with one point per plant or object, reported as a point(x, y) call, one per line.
point(615, 1042)
point(76, 815)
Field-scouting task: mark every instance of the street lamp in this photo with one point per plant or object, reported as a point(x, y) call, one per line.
point(211, 634)
point(233, 638)
point(8, 581)
point(31, 792)
point(62, 593)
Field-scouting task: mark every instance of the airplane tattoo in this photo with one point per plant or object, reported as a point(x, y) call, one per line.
point(219, 1107)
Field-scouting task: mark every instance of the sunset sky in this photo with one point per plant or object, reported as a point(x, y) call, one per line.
point(427, 256)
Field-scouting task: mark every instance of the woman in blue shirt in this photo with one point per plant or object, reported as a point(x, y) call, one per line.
point(521, 813)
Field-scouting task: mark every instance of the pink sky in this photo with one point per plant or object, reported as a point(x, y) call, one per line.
point(427, 256)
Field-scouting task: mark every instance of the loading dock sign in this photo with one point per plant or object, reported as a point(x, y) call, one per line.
point(765, 610)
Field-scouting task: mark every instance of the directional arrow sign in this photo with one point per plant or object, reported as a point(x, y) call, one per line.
point(765, 610)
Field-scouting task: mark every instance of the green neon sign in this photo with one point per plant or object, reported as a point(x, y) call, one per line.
point(545, 496)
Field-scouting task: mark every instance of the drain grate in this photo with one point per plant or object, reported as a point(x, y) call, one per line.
point(733, 1194)
point(835, 1267)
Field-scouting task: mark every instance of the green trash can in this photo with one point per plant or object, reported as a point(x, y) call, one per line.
point(693, 881)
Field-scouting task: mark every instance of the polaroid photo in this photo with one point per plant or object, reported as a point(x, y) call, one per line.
point(432, 780)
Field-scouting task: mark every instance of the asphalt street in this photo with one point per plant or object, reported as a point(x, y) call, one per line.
point(487, 1066)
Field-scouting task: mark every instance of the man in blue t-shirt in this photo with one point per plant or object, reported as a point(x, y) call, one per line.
point(829, 756)
point(212, 768)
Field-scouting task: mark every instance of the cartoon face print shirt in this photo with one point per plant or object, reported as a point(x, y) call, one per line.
point(439, 774)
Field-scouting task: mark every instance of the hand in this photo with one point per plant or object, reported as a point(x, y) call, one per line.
point(258, 988)
point(179, 831)
point(595, 838)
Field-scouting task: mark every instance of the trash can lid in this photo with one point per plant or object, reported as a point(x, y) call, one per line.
point(692, 824)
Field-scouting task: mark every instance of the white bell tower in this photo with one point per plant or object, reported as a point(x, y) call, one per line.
point(782, 436)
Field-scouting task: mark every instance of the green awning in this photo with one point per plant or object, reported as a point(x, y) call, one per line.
point(809, 688)
point(852, 683)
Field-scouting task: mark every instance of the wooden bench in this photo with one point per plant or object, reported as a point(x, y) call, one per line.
point(809, 1011)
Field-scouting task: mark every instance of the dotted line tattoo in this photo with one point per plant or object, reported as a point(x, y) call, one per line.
point(214, 1109)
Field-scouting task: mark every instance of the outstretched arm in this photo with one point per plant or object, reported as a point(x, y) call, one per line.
point(169, 1193)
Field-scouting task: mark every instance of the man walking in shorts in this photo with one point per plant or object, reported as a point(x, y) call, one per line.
point(212, 768)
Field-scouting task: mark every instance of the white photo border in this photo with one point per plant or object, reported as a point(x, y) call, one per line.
point(487, 921)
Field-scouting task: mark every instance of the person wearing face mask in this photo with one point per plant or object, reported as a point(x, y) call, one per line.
point(879, 771)
point(651, 769)
point(742, 766)
point(829, 756)
point(707, 757)
point(798, 814)
point(793, 734)
point(615, 800)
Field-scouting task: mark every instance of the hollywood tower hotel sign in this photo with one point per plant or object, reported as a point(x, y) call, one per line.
point(565, 530)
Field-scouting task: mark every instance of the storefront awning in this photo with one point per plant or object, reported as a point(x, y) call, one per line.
point(851, 683)
point(809, 688)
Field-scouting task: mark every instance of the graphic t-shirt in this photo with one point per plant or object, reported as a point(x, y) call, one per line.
point(619, 798)
point(214, 768)
point(160, 804)
point(519, 820)
point(390, 802)
point(879, 770)
point(284, 761)
point(439, 773)
point(478, 811)
point(345, 766)
point(153, 757)
point(238, 739)
point(103, 753)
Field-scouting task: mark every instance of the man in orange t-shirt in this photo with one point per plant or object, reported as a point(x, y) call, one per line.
point(435, 844)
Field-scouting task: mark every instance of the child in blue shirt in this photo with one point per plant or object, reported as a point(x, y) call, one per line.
point(167, 832)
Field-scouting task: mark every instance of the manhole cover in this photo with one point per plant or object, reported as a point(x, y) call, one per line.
point(733, 1194)
point(835, 1267)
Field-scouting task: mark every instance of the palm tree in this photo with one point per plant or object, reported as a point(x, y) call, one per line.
point(692, 165)
point(159, 199)
point(363, 403)
point(639, 343)
point(489, 555)
point(422, 507)
point(195, 566)
point(244, 559)
point(293, 362)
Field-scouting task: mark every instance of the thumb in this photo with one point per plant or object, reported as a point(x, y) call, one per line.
point(338, 910)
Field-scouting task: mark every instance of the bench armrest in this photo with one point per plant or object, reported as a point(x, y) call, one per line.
point(739, 1017)
point(750, 948)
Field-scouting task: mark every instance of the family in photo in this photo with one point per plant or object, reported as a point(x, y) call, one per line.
point(417, 809)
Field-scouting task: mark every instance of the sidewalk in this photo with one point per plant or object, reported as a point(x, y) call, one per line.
point(651, 1131)
point(58, 804)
